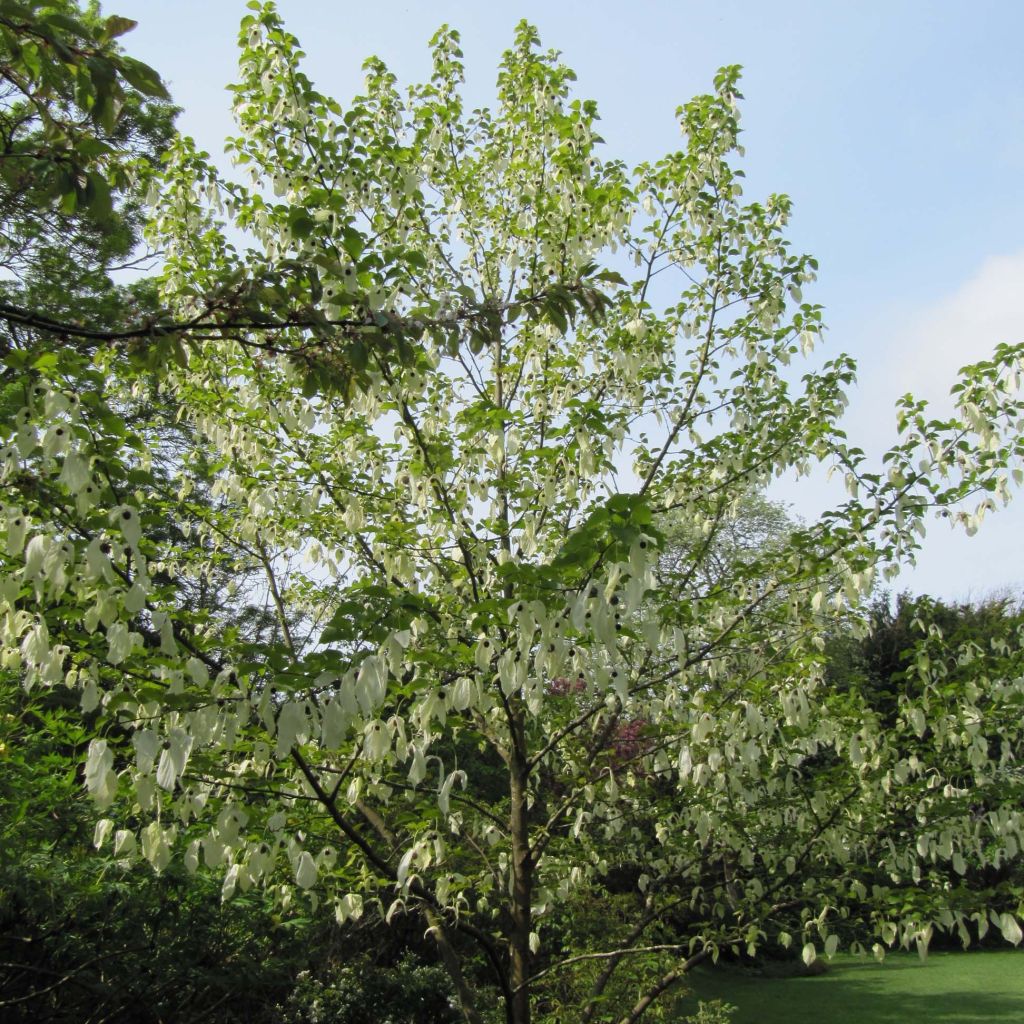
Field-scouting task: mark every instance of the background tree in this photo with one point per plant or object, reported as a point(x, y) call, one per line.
point(910, 646)
point(70, 105)
point(448, 456)
point(79, 939)
point(884, 662)
point(76, 116)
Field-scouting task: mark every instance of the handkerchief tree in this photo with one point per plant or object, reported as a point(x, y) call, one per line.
point(449, 377)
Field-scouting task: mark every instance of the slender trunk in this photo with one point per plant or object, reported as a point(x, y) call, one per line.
point(519, 769)
point(662, 985)
point(522, 862)
point(453, 966)
point(522, 888)
point(609, 969)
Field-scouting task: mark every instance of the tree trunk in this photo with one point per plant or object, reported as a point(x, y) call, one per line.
point(522, 888)
point(453, 966)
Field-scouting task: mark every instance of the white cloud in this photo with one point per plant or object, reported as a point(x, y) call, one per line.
point(923, 351)
point(920, 350)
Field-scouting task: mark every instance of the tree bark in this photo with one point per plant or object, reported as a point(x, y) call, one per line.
point(662, 985)
point(452, 965)
point(522, 884)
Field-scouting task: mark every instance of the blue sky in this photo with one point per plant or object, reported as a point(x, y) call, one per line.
point(897, 128)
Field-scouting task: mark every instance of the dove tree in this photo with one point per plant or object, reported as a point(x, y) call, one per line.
point(444, 373)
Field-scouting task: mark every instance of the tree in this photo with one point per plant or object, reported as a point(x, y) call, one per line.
point(80, 940)
point(914, 645)
point(70, 97)
point(430, 408)
point(73, 106)
point(906, 632)
point(76, 114)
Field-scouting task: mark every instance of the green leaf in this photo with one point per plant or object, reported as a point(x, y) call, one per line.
point(69, 201)
point(47, 361)
point(353, 243)
point(556, 316)
point(358, 355)
point(143, 77)
point(300, 225)
point(63, 21)
point(115, 26)
point(99, 201)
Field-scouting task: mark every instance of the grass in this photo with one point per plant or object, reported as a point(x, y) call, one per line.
point(947, 988)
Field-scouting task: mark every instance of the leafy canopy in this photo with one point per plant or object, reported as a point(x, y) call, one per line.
point(443, 396)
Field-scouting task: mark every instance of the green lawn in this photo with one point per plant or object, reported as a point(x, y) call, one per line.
point(948, 988)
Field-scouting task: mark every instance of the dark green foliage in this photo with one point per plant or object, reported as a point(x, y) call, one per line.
point(882, 665)
point(591, 921)
point(68, 106)
point(364, 991)
point(84, 939)
point(78, 118)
